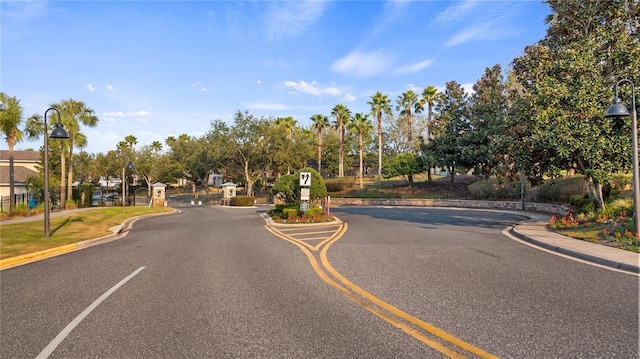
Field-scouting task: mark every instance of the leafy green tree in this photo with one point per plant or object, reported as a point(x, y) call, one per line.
point(380, 105)
point(241, 150)
point(360, 125)
point(449, 128)
point(404, 165)
point(565, 85)
point(10, 121)
point(342, 115)
point(488, 109)
point(193, 159)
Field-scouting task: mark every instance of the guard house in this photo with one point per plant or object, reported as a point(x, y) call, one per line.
point(158, 195)
point(228, 192)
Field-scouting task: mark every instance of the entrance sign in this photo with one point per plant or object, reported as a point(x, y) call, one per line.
point(305, 179)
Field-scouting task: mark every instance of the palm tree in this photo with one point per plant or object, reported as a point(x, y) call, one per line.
point(380, 104)
point(289, 123)
point(342, 114)
point(361, 125)
point(10, 119)
point(320, 122)
point(74, 114)
point(429, 96)
point(131, 141)
point(405, 102)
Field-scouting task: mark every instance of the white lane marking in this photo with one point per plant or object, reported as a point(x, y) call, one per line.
point(63, 334)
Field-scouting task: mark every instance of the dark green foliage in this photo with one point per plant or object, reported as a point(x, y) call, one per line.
point(339, 184)
point(289, 186)
point(582, 203)
point(290, 213)
point(495, 189)
point(314, 212)
point(242, 201)
point(404, 165)
point(560, 190)
point(285, 186)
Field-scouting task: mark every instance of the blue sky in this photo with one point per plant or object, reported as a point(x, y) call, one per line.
point(154, 69)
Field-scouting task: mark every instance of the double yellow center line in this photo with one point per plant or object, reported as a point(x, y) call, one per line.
point(426, 333)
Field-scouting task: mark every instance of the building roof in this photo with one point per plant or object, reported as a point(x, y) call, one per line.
point(20, 174)
point(26, 156)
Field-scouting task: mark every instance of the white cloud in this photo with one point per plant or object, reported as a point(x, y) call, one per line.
point(312, 88)
point(137, 116)
point(259, 81)
point(454, 13)
point(90, 87)
point(292, 17)
point(414, 88)
point(474, 33)
point(204, 89)
point(487, 31)
point(348, 98)
point(362, 65)
point(413, 68)
point(110, 87)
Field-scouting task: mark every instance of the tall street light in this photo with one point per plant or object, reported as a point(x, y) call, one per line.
point(617, 109)
point(58, 132)
point(129, 166)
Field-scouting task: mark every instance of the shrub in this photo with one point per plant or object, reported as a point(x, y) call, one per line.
point(19, 210)
point(582, 203)
point(242, 201)
point(314, 212)
point(339, 184)
point(290, 213)
point(561, 189)
point(289, 186)
point(494, 188)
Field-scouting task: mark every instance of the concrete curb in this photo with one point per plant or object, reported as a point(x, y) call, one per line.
point(574, 253)
point(271, 223)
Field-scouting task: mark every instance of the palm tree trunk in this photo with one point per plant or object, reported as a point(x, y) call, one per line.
point(379, 147)
point(360, 150)
point(341, 159)
point(70, 177)
point(320, 152)
point(63, 183)
point(12, 190)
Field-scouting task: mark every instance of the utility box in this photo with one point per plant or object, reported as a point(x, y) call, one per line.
point(228, 192)
point(158, 195)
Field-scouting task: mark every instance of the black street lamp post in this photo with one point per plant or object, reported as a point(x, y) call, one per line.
point(58, 132)
point(129, 166)
point(617, 109)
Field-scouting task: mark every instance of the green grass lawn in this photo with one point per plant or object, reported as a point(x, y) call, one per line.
point(28, 237)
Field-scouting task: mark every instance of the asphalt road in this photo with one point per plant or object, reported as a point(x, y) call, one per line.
point(214, 282)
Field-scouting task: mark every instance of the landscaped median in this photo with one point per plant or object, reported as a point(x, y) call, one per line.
point(26, 240)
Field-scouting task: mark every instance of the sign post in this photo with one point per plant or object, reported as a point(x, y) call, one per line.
point(305, 183)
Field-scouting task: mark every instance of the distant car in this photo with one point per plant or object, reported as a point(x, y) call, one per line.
point(104, 199)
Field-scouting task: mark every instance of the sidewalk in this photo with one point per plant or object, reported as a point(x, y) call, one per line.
point(533, 231)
